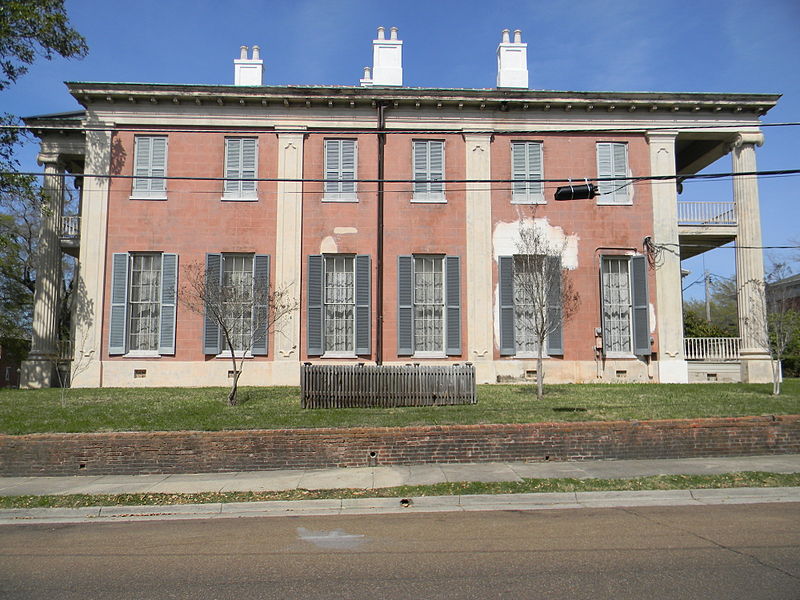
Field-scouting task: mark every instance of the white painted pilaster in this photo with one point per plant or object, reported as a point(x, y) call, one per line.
point(755, 360)
point(672, 367)
point(288, 252)
point(480, 331)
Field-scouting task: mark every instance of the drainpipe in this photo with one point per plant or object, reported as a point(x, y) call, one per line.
point(379, 262)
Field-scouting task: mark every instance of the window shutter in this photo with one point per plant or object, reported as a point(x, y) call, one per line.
point(535, 168)
point(233, 158)
point(436, 167)
point(641, 306)
point(505, 275)
point(248, 168)
point(211, 337)
point(405, 305)
point(332, 166)
point(261, 305)
point(348, 167)
point(555, 335)
point(363, 295)
point(169, 297)
point(620, 157)
point(315, 310)
point(453, 282)
point(158, 163)
point(421, 171)
point(605, 168)
point(142, 164)
point(118, 320)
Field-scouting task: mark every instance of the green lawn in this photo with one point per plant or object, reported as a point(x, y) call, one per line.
point(165, 409)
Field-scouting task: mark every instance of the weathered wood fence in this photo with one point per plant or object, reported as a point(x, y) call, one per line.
point(360, 385)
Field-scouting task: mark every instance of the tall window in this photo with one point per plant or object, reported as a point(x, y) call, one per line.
point(428, 158)
point(428, 304)
point(143, 297)
point(612, 161)
point(526, 164)
point(145, 302)
point(340, 170)
point(150, 167)
point(524, 309)
point(340, 304)
point(237, 283)
point(240, 169)
point(616, 305)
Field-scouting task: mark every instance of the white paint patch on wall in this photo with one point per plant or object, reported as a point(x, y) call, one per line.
point(328, 246)
point(344, 230)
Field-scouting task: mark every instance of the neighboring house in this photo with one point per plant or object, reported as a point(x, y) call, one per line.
point(11, 353)
point(391, 214)
point(785, 292)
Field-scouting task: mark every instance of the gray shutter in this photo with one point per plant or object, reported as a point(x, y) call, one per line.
point(158, 164)
point(248, 169)
point(211, 337)
point(363, 295)
point(519, 171)
point(620, 157)
point(233, 159)
point(605, 168)
point(332, 166)
point(315, 316)
point(555, 336)
point(535, 168)
point(505, 276)
point(261, 305)
point(436, 166)
point(118, 321)
point(405, 305)
point(453, 282)
point(141, 165)
point(641, 306)
point(421, 171)
point(169, 296)
point(347, 173)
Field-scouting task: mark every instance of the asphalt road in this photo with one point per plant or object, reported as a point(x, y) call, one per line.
point(738, 551)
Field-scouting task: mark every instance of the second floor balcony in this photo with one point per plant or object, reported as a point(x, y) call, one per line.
point(707, 213)
point(70, 234)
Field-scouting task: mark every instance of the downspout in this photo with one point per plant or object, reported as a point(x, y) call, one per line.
point(379, 259)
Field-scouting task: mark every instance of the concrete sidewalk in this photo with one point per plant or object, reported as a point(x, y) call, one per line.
point(389, 476)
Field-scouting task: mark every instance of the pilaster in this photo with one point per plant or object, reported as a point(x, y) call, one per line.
point(480, 331)
point(288, 252)
point(39, 370)
point(754, 353)
point(672, 367)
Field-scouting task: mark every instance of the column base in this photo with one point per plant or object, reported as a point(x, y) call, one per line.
point(673, 371)
point(756, 367)
point(37, 373)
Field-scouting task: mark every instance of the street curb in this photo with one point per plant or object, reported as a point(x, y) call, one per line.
point(423, 504)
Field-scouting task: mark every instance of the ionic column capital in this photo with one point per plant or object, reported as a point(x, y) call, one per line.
point(754, 138)
point(50, 159)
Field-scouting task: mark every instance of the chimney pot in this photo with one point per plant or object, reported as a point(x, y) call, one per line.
point(256, 52)
point(506, 36)
point(517, 36)
point(393, 34)
point(381, 33)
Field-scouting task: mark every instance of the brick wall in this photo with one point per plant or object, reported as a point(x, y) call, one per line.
point(187, 452)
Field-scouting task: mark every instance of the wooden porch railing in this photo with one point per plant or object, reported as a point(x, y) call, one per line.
point(712, 349)
point(359, 385)
point(70, 226)
point(706, 213)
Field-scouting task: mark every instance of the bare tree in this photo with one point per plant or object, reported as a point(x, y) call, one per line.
point(783, 318)
point(241, 305)
point(544, 295)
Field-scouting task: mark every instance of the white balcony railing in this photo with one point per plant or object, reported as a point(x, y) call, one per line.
point(70, 226)
point(706, 213)
point(711, 349)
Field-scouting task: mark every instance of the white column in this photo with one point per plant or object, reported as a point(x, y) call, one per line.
point(480, 330)
point(756, 367)
point(672, 367)
point(88, 292)
point(39, 370)
point(288, 253)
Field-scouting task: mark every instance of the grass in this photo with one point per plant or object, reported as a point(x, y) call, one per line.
point(169, 409)
point(656, 482)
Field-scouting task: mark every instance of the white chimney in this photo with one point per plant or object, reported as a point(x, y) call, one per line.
point(366, 81)
point(248, 71)
point(387, 60)
point(512, 61)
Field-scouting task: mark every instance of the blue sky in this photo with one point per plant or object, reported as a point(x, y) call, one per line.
point(679, 46)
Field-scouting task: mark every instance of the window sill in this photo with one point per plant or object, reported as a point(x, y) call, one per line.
point(530, 355)
point(159, 197)
point(227, 354)
point(624, 355)
point(528, 200)
point(339, 355)
point(429, 355)
point(429, 199)
point(607, 203)
point(340, 199)
point(141, 354)
point(239, 199)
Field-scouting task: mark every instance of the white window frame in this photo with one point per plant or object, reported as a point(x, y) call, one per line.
point(622, 194)
point(603, 270)
point(525, 195)
point(239, 194)
point(139, 353)
point(327, 259)
point(520, 259)
point(332, 190)
point(156, 183)
point(226, 256)
point(440, 259)
point(422, 191)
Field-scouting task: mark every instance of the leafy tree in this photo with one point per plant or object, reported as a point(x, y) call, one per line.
point(724, 312)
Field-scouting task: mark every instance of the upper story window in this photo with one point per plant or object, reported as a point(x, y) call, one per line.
point(143, 297)
point(150, 167)
point(612, 161)
point(428, 158)
point(340, 170)
point(240, 169)
point(526, 165)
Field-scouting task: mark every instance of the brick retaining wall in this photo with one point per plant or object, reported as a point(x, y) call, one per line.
point(200, 452)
